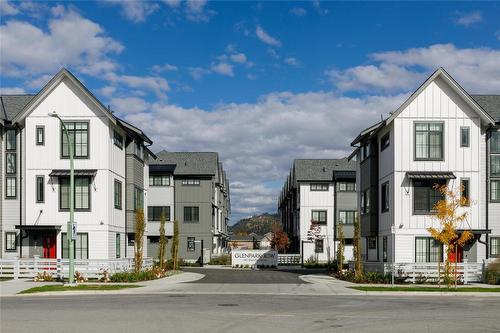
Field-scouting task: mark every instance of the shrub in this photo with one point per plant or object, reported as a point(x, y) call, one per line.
point(221, 260)
point(152, 273)
point(43, 277)
point(79, 278)
point(492, 273)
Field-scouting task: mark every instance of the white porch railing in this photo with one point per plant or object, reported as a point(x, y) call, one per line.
point(289, 259)
point(59, 268)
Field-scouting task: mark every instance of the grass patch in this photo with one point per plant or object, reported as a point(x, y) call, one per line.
point(77, 287)
point(431, 289)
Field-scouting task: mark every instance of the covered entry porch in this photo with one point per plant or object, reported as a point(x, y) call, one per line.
point(38, 241)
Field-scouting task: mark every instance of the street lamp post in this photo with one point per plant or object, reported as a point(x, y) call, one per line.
point(69, 233)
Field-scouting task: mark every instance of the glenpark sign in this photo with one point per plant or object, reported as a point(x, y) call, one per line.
point(254, 258)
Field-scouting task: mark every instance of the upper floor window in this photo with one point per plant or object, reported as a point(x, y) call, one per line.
point(159, 180)
point(385, 197)
point(10, 187)
point(118, 194)
point(319, 187)
point(429, 141)
point(10, 163)
point(426, 196)
point(138, 198)
point(385, 141)
point(318, 216)
point(365, 151)
point(40, 189)
point(155, 212)
point(79, 136)
point(464, 136)
point(347, 217)
point(372, 243)
point(81, 195)
point(11, 139)
point(40, 135)
point(191, 181)
point(495, 142)
point(191, 214)
point(465, 191)
point(346, 186)
point(138, 149)
point(365, 202)
point(118, 139)
point(495, 165)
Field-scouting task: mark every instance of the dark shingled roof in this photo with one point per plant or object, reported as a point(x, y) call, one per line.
point(320, 169)
point(189, 163)
point(490, 104)
point(11, 105)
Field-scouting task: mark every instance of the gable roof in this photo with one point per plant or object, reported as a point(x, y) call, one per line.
point(320, 169)
point(490, 104)
point(189, 163)
point(12, 105)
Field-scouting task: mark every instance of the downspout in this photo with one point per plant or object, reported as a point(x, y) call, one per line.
point(486, 243)
point(334, 219)
point(21, 189)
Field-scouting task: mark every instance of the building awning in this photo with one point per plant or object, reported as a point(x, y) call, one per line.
point(66, 172)
point(337, 175)
point(475, 231)
point(37, 227)
point(161, 168)
point(430, 175)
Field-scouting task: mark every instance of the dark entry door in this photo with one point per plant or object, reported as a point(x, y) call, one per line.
point(49, 245)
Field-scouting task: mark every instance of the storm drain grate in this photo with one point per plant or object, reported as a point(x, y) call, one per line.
point(228, 304)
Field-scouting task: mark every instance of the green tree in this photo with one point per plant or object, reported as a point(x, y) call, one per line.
point(163, 242)
point(140, 226)
point(341, 247)
point(358, 268)
point(175, 245)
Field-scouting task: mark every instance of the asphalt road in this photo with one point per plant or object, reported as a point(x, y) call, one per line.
point(247, 276)
point(233, 313)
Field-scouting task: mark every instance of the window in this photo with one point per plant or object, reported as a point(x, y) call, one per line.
point(385, 197)
point(79, 136)
point(138, 149)
point(365, 202)
point(118, 245)
point(40, 189)
point(10, 187)
point(384, 248)
point(365, 151)
point(159, 180)
point(427, 249)
point(318, 246)
point(425, 196)
point(319, 187)
point(464, 136)
point(118, 194)
point(385, 141)
point(131, 239)
point(192, 182)
point(495, 247)
point(495, 165)
point(138, 198)
point(81, 195)
point(495, 142)
point(40, 135)
point(495, 190)
point(191, 214)
point(10, 241)
point(429, 141)
point(465, 191)
point(11, 139)
point(347, 217)
point(118, 139)
point(191, 245)
point(346, 186)
point(318, 216)
point(10, 163)
point(372, 243)
point(154, 213)
point(81, 246)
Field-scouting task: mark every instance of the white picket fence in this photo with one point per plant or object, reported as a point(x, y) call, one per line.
point(289, 259)
point(59, 268)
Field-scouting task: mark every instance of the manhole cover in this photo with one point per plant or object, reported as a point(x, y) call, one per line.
point(227, 304)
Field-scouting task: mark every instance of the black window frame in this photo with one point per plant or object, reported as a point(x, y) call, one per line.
point(348, 214)
point(37, 137)
point(118, 139)
point(428, 131)
point(319, 187)
point(365, 202)
point(7, 181)
point(62, 180)
point(319, 245)
point(138, 193)
point(371, 243)
point(7, 243)
point(191, 244)
point(118, 244)
point(495, 247)
point(464, 130)
point(465, 191)
point(430, 187)
point(8, 131)
point(40, 189)
point(74, 130)
point(385, 197)
point(319, 212)
point(385, 141)
point(194, 211)
point(130, 239)
point(428, 253)
point(154, 213)
point(493, 195)
point(7, 155)
point(76, 250)
point(191, 182)
point(158, 180)
point(118, 197)
point(344, 186)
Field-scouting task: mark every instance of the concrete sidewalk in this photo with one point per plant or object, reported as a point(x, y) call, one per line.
point(13, 287)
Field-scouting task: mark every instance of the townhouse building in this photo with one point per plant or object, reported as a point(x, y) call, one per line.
point(440, 135)
point(319, 192)
point(111, 163)
point(193, 189)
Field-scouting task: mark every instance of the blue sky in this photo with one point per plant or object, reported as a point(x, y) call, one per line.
point(260, 82)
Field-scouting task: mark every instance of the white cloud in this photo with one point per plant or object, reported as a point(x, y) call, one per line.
point(298, 11)
point(155, 84)
point(164, 68)
point(196, 11)
point(291, 61)
point(12, 91)
point(468, 19)
point(265, 37)
point(136, 10)
point(6, 8)
point(223, 69)
point(239, 58)
point(172, 3)
point(477, 69)
point(128, 105)
point(198, 72)
point(107, 91)
point(70, 40)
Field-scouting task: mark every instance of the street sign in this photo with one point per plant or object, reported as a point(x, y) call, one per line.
point(73, 231)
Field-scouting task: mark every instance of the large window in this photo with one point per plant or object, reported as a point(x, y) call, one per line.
point(427, 249)
point(495, 166)
point(81, 246)
point(40, 189)
point(318, 216)
point(191, 245)
point(159, 180)
point(11, 139)
point(191, 214)
point(347, 217)
point(464, 136)
point(318, 246)
point(426, 196)
point(118, 139)
point(385, 197)
point(118, 194)
point(138, 198)
point(346, 186)
point(10, 163)
point(79, 135)
point(154, 213)
point(40, 135)
point(365, 202)
point(10, 241)
point(429, 141)
point(319, 187)
point(495, 247)
point(81, 195)
point(495, 190)
point(10, 187)
point(191, 182)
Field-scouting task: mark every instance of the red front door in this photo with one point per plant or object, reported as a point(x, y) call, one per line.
point(457, 254)
point(49, 245)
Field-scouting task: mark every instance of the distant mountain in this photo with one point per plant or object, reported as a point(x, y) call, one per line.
point(259, 224)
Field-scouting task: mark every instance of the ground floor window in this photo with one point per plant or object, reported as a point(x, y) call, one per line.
point(118, 245)
point(191, 244)
point(428, 249)
point(318, 246)
point(10, 241)
point(495, 247)
point(131, 239)
point(372, 243)
point(81, 246)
